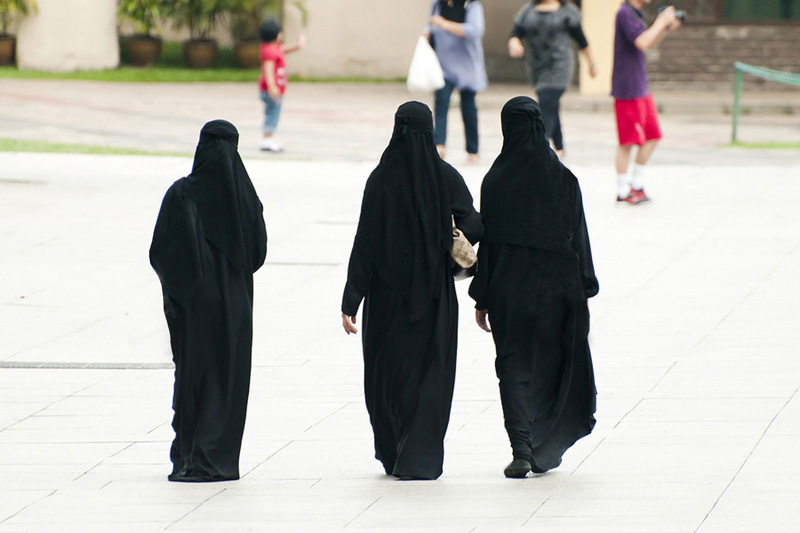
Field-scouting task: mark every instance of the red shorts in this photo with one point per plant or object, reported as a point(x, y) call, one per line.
point(637, 120)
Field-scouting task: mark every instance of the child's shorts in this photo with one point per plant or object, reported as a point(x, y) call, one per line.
point(272, 112)
point(637, 120)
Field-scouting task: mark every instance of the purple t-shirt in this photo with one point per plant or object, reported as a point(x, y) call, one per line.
point(629, 79)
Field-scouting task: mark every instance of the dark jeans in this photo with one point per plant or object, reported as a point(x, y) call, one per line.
point(549, 100)
point(469, 112)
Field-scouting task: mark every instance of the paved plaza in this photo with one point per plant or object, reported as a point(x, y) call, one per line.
point(693, 332)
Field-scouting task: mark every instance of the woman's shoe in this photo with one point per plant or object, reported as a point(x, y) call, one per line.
point(518, 468)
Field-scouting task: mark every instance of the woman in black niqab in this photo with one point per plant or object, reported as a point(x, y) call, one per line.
point(535, 274)
point(208, 241)
point(399, 267)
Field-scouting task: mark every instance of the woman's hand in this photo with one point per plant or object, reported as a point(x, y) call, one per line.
point(480, 317)
point(592, 70)
point(456, 28)
point(515, 48)
point(438, 20)
point(349, 324)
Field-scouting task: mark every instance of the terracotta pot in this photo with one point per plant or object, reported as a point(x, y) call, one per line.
point(248, 54)
point(143, 50)
point(8, 44)
point(200, 54)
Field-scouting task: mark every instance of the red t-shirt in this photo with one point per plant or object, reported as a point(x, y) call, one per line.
point(274, 52)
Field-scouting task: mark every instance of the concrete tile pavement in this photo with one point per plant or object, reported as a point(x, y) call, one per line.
point(350, 122)
point(693, 342)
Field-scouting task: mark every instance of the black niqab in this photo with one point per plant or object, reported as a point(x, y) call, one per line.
point(220, 187)
point(535, 273)
point(208, 241)
point(528, 197)
point(405, 225)
point(398, 268)
point(454, 10)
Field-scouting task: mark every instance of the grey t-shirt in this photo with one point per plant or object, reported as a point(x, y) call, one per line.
point(547, 38)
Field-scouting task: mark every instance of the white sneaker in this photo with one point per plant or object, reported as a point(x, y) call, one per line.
point(268, 145)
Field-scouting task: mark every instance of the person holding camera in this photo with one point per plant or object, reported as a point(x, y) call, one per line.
point(637, 120)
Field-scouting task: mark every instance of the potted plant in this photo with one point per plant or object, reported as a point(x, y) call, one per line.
point(143, 47)
point(8, 43)
point(246, 17)
point(200, 16)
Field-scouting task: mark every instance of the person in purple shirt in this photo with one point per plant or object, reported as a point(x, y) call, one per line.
point(456, 30)
point(637, 120)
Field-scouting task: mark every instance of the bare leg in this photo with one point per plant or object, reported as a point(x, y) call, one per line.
point(645, 151)
point(624, 158)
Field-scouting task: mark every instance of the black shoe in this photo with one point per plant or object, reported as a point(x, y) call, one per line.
point(536, 469)
point(518, 468)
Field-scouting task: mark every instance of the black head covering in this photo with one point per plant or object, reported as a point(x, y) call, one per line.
point(226, 200)
point(269, 30)
point(528, 197)
point(405, 225)
point(455, 10)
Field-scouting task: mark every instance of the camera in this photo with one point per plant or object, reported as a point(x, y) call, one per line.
point(679, 14)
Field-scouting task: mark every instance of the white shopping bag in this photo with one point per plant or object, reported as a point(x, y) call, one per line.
point(425, 73)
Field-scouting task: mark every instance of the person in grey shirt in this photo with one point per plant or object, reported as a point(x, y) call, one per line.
point(456, 29)
point(543, 31)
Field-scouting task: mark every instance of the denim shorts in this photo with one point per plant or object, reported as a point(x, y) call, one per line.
point(272, 112)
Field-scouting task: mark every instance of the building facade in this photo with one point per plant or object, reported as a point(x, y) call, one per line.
point(375, 39)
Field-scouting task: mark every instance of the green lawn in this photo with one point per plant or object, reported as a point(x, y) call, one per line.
point(14, 145)
point(764, 145)
point(169, 68)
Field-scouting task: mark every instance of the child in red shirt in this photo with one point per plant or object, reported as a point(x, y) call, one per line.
point(273, 79)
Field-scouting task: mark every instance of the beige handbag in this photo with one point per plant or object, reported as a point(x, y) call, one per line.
point(464, 260)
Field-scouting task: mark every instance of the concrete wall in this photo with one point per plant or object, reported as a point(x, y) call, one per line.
point(357, 38)
point(499, 22)
point(69, 35)
point(375, 39)
point(598, 26)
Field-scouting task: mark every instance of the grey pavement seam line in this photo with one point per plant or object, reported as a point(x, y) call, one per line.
point(637, 404)
point(289, 263)
point(36, 365)
point(196, 508)
point(48, 406)
point(68, 333)
point(587, 456)
point(276, 452)
point(658, 382)
point(125, 447)
point(334, 413)
point(365, 510)
point(29, 505)
point(749, 455)
point(157, 427)
point(525, 523)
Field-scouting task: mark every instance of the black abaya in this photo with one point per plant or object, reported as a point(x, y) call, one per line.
point(410, 322)
point(534, 277)
point(209, 239)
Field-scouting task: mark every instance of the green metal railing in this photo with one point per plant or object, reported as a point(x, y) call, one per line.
point(766, 73)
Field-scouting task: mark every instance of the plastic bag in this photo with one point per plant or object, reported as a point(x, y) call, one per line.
point(425, 73)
